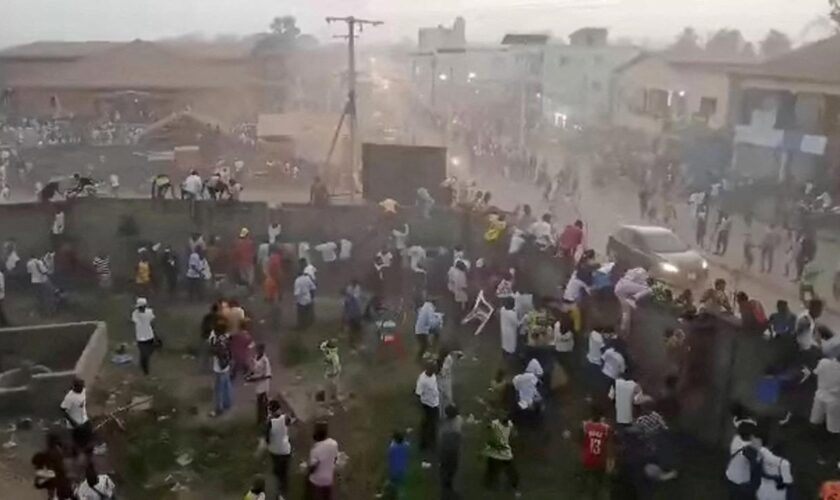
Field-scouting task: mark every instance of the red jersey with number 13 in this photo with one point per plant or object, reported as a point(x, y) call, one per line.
point(595, 435)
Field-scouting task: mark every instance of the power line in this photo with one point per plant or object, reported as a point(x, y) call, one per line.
point(353, 25)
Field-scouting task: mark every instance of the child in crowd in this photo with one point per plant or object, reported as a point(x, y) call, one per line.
point(332, 367)
point(257, 491)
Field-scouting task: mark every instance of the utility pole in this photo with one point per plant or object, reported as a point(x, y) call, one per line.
point(352, 24)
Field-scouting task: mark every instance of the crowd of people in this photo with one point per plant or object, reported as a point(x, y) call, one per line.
point(550, 341)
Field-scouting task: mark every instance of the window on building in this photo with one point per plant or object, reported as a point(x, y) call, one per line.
point(656, 102)
point(708, 106)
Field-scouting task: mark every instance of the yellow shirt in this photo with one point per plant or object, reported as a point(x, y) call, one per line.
point(144, 273)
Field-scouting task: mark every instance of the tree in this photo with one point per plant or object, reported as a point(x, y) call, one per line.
point(748, 51)
point(728, 43)
point(687, 42)
point(775, 44)
point(285, 27)
point(284, 35)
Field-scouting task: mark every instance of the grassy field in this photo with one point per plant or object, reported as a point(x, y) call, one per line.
point(378, 384)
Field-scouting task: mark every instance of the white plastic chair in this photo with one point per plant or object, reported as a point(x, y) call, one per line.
point(481, 311)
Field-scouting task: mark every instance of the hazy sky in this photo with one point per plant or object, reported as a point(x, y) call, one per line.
point(23, 21)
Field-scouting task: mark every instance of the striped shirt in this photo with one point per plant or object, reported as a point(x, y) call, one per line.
point(102, 266)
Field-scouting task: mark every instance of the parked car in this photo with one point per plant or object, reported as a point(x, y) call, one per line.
point(657, 249)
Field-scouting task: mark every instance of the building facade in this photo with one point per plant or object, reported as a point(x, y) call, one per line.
point(576, 77)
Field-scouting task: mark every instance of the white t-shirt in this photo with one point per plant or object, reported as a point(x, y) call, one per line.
point(563, 342)
point(192, 184)
point(304, 286)
point(526, 389)
point(416, 255)
point(427, 390)
point(310, 271)
point(58, 224)
point(517, 241)
point(327, 250)
point(828, 380)
point(623, 392)
point(274, 231)
point(278, 436)
point(806, 339)
point(37, 271)
point(540, 229)
point(400, 238)
point(614, 364)
point(75, 404)
point(345, 249)
point(574, 289)
point(143, 324)
point(774, 466)
point(596, 343)
point(323, 456)
point(508, 325)
point(103, 490)
point(386, 258)
point(738, 468)
point(262, 368)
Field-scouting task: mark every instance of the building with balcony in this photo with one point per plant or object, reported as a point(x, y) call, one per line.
point(657, 93)
point(787, 120)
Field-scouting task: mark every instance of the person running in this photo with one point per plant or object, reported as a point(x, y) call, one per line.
point(279, 446)
point(304, 291)
point(323, 458)
point(143, 318)
point(499, 455)
point(597, 436)
point(449, 452)
point(776, 475)
point(74, 408)
point(399, 452)
point(428, 394)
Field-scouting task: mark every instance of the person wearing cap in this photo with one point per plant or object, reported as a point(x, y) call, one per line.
point(143, 318)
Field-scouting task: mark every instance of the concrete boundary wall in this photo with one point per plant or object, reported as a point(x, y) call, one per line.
point(25, 391)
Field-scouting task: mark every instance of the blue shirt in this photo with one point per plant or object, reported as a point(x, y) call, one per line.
point(427, 319)
point(398, 461)
point(782, 323)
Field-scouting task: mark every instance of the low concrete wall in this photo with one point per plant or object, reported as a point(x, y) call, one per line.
point(69, 350)
point(93, 225)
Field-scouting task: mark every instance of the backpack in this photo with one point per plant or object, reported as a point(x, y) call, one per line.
point(752, 456)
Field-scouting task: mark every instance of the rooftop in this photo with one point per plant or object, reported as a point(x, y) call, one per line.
point(135, 65)
point(815, 62)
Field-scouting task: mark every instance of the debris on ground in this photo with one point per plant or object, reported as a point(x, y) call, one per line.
point(10, 444)
point(141, 403)
point(100, 449)
point(184, 459)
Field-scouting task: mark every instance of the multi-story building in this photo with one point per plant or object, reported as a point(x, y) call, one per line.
point(576, 77)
